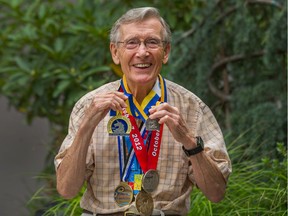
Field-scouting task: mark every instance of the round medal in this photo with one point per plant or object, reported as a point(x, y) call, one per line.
point(123, 194)
point(144, 203)
point(119, 126)
point(150, 181)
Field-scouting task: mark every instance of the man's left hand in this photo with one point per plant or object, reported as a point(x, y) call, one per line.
point(171, 116)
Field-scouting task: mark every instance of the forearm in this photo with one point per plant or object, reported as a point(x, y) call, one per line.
point(71, 171)
point(208, 177)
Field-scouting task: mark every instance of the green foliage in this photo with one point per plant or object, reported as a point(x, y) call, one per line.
point(254, 188)
point(235, 60)
point(57, 205)
point(51, 54)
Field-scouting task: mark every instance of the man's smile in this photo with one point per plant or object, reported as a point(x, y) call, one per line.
point(142, 65)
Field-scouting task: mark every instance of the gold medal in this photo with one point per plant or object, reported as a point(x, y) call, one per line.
point(123, 194)
point(144, 203)
point(119, 126)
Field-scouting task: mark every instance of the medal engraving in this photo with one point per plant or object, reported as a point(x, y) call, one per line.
point(152, 124)
point(144, 203)
point(119, 126)
point(150, 181)
point(123, 194)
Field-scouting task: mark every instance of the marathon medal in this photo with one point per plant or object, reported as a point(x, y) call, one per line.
point(152, 124)
point(144, 203)
point(150, 180)
point(123, 194)
point(119, 126)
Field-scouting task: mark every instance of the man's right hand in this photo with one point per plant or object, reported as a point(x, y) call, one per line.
point(101, 105)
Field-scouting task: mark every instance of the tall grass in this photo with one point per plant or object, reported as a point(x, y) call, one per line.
point(254, 188)
point(54, 205)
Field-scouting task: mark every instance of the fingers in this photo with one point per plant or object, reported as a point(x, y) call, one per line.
point(172, 117)
point(116, 100)
point(101, 103)
point(111, 100)
point(165, 113)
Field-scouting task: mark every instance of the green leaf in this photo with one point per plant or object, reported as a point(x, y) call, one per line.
point(42, 11)
point(8, 70)
point(31, 10)
point(94, 71)
point(61, 87)
point(15, 3)
point(58, 46)
point(47, 48)
point(16, 81)
point(22, 64)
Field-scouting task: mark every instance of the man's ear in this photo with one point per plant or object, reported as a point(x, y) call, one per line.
point(166, 53)
point(114, 53)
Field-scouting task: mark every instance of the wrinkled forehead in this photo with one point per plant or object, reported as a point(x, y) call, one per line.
point(141, 29)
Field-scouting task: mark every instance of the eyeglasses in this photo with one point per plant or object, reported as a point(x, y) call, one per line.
point(150, 43)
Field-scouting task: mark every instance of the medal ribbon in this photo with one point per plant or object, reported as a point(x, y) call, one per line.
point(154, 148)
point(137, 141)
point(147, 159)
point(158, 93)
point(147, 155)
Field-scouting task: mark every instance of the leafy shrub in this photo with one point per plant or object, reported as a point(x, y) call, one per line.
point(254, 188)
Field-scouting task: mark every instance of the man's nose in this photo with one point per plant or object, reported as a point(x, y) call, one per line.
point(142, 49)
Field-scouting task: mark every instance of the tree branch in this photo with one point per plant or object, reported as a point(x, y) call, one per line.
point(270, 2)
point(224, 61)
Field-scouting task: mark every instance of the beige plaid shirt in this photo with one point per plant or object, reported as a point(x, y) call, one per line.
point(176, 175)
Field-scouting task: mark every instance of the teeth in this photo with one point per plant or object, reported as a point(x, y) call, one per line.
point(142, 65)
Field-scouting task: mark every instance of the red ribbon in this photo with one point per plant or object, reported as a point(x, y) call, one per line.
point(147, 159)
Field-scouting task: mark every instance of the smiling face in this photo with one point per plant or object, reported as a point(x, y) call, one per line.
point(141, 65)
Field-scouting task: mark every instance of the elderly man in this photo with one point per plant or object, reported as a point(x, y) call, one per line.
point(141, 143)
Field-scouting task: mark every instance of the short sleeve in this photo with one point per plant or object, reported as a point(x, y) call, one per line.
point(74, 123)
point(207, 127)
